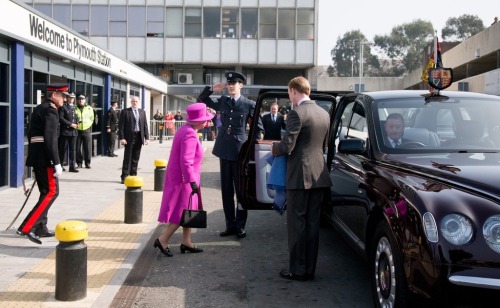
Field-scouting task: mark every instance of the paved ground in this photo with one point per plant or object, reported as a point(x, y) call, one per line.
point(124, 270)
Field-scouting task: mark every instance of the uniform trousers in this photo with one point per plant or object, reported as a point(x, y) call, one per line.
point(48, 185)
point(236, 217)
point(303, 217)
point(131, 156)
point(111, 142)
point(70, 141)
point(84, 138)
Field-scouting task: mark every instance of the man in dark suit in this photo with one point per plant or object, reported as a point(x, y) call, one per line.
point(306, 137)
point(235, 110)
point(68, 121)
point(43, 156)
point(111, 128)
point(133, 132)
point(273, 122)
point(394, 128)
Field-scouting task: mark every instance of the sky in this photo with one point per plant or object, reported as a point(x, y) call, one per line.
point(379, 17)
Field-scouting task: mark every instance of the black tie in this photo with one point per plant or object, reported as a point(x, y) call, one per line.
point(233, 102)
point(396, 143)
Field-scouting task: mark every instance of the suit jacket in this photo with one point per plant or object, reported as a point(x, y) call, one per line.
point(112, 120)
point(67, 116)
point(234, 121)
point(127, 125)
point(43, 136)
point(306, 137)
point(272, 130)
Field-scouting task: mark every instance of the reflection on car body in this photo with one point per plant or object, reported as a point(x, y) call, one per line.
point(426, 214)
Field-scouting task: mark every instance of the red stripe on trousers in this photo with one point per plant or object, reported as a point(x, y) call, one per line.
point(45, 201)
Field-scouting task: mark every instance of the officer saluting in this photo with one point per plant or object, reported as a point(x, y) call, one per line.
point(235, 111)
point(43, 156)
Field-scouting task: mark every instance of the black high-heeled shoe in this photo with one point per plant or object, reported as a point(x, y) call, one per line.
point(193, 249)
point(165, 251)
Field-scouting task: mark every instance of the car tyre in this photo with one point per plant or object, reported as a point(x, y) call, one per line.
point(389, 285)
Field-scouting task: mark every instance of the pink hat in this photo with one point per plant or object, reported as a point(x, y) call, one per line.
point(198, 112)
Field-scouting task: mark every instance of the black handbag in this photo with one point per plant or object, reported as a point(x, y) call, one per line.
point(194, 218)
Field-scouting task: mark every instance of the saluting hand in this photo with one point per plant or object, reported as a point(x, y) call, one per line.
point(218, 87)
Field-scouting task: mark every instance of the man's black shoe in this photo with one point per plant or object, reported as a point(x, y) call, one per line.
point(73, 170)
point(31, 236)
point(64, 169)
point(87, 166)
point(114, 155)
point(46, 234)
point(241, 233)
point(290, 276)
point(79, 166)
point(227, 232)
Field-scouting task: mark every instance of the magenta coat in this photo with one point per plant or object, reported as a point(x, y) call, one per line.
point(184, 167)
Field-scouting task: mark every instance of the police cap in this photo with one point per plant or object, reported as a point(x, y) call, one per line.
point(235, 76)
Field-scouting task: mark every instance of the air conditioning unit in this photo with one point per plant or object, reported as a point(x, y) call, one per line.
point(184, 78)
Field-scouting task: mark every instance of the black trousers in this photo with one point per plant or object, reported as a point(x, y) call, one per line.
point(48, 185)
point(303, 216)
point(64, 142)
point(111, 142)
point(84, 138)
point(131, 156)
point(236, 218)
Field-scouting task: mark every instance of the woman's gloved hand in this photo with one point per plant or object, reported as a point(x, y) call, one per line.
point(194, 187)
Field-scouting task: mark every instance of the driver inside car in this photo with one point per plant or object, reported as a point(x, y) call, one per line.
point(394, 128)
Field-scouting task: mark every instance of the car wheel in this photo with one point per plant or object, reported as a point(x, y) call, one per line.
point(388, 281)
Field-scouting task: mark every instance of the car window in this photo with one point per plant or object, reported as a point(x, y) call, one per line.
point(449, 125)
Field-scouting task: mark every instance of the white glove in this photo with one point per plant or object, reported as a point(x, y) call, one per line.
point(58, 170)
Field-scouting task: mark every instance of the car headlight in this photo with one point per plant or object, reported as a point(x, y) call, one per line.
point(430, 228)
point(491, 232)
point(456, 229)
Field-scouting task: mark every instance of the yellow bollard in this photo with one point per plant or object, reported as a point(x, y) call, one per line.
point(133, 199)
point(160, 165)
point(71, 260)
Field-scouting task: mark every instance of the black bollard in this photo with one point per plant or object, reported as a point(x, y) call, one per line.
point(160, 165)
point(71, 261)
point(133, 200)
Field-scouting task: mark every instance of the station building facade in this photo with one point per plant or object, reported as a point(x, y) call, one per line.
point(36, 50)
point(192, 43)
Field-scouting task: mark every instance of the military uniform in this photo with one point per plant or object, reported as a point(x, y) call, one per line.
point(68, 134)
point(43, 156)
point(234, 115)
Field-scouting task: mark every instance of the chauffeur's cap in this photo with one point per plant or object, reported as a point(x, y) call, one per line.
point(235, 76)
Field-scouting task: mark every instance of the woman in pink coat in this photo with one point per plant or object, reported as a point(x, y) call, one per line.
point(181, 178)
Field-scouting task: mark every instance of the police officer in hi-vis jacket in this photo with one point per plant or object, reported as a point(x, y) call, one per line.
point(43, 156)
point(235, 110)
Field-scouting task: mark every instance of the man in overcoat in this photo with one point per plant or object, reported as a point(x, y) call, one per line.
point(68, 121)
point(235, 110)
point(111, 128)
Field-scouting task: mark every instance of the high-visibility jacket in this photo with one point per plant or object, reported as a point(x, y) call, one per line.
point(85, 117)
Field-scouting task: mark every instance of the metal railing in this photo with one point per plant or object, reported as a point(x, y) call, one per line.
point(166, 129)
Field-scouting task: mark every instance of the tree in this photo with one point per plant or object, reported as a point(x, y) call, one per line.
point(404, 46)
point(461, 28)
point(345, 56)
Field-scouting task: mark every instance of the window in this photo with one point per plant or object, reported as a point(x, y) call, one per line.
point(305, 24)
point(155, 26)
point(81, 19)
point(286, 24)
point(99, 21)
point(118, 21)
point(192, 22)
point(136, 21)
point(211, 22)
point(62, 13)
point(44, 8)
point(249, 23)
point(267, 23)
point(230, 23)
point(173, 22)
